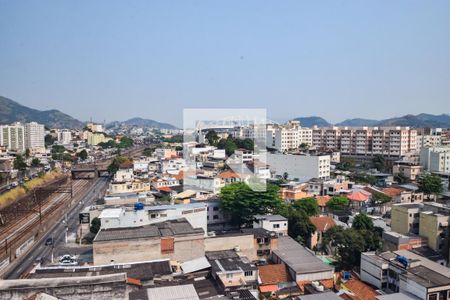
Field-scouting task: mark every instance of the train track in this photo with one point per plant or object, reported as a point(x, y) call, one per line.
point(14, 231)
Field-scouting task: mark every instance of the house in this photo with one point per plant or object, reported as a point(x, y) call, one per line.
point(322, 202)
point(274, 277)
point(276, 223)
point(322, 224)
point(400, 195)
point(231, 271)
point(359, 200)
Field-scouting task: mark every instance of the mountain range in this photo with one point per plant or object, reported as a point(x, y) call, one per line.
point(415, 121)
point(11, 111)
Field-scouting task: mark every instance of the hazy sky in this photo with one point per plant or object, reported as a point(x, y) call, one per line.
point(112, 60)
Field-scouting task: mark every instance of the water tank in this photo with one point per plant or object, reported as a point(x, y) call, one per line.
point(403, 260)
point(138, 206)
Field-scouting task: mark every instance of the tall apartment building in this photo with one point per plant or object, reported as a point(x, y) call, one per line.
point(435, 159)
point(64, 136)
point(365, 141)
point(34, 136)
point(288, 137)
point(13, 137)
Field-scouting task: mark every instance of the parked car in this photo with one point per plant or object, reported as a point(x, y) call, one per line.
point(49, 241)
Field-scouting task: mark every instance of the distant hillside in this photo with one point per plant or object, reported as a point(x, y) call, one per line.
point(140, 122)
point(311, 121)
point(417, 121)
point(358, 122)
point(11, 111)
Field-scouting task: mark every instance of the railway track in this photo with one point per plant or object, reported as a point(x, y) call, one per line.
point(13, 232)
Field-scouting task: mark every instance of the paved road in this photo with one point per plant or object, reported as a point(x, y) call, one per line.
point(39, 250)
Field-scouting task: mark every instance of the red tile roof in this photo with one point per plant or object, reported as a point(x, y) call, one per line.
point(360, 290)
point(392, 192)
point(228, 174)
point(358, 196)
point(323, 200)
point(322, 223)
point(273, 274)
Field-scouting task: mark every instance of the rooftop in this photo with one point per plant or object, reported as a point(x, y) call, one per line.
point(272, 218)
point(298, 258)
point(168, 228)
point(273, 274)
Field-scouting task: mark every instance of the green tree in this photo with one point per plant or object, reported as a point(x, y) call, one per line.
point(95, 225)
point(35, 162)
point(115, 164)
point(246, 144)
point(27, 153)
point(308, 205)
point(49, 140)
point(148, 151)
point(243, 203)
point(347, 163)
point(230, 146)
point(430, 184)
point(125, 142)
point(300, 227)
point(338, 203)
point(379, 199)
point(82, 154)
point(19, 163)
point(379, 162)
point(362, 222)
point(212, 137)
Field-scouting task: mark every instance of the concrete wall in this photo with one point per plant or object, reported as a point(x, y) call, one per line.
point(299, 166)
point(124, 251)
point(229, 242)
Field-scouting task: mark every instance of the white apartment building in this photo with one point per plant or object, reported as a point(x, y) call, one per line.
point(288, 137)
point(365, 141)
point(302, 167)
point(64, 136)
point(13, 137)
point(194, 213)
point(276, 223)
point(34, 136)
point(435, 159)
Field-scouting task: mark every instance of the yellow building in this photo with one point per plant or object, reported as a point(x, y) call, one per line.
point(433, 226)
point(94, 138)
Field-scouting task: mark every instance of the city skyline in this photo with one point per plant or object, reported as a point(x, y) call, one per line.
point(151, 60)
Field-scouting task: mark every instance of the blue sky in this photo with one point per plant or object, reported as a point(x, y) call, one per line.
point(112, 60)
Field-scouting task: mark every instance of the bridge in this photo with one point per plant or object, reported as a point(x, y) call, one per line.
point(90, 170)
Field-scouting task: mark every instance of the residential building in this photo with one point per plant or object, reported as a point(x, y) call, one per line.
point(95, 138)
point(435, 159)
point(322, 224)
point(302, 167)
point(34, 136)
point(406, 272)
point(173, 239)
point(407, 169)
point(405, 218)
point(13, 137)
point(288, 137)
point(231, 271)
point(276, 223)
point(64, 136)
point(365, 141)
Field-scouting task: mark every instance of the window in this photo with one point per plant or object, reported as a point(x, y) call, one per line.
point(215, 217)
point(276, 225)
point(248, 273)
point(152, 216)
point(229, 275)
point(215, 208)
point(432, 297)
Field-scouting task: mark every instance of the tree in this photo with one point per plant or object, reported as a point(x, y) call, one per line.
point(362, 222)
point(300, 227)
point(242, 203)
point(125, 142)
point(115, 164)
point(108, 144)
point(95, 225)
point(35, 162)
point(178, 148)
point(347, 163)
point(379, 162)
point(82, 154)
point(430, 184)
point(285, 175)
point(246, 144)
point(303, 146)
point(379, 198)
point(49, 140)
point(338, 203)
point(27, 153)
point(230, 146)
point(308, 205)
point(212, 137)
point(148, 151)
point(19, 163)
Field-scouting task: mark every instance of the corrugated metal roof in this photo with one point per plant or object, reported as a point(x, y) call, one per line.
point(178, 292)
point(194, 265)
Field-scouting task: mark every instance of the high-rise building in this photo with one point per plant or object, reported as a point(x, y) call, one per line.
point(13, 137)
point(288, 137)
point(64, 136)
point(34, 136)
